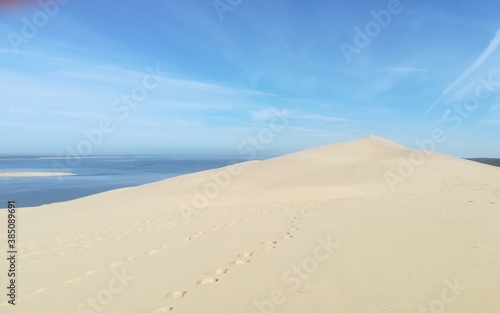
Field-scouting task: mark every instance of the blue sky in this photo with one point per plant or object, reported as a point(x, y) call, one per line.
point(224, 67)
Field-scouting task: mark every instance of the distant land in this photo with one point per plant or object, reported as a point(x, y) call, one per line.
point(490, 161)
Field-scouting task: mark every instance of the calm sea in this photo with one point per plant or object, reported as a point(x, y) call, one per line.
point(94, 175)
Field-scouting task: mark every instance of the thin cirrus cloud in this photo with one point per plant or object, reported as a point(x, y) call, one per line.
point(483, 57)
point(294, 114)
point(480, 60)
point(317, 117)
point(407, 69)
point(77, 114)
point(18, 111)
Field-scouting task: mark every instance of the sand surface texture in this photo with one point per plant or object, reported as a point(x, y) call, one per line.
point(316, 231)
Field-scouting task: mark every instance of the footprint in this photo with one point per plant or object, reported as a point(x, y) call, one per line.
point(115, 264)
point(163, 309)
point(130, 258)
point(152, 252)
point(245, 255)
point(73, 280)
point(185, 240)
point(198, 234)
point(240, 262)
point(39, 291)
point(221, 271)
point(91, 272)
point(208, 281)
point(176, 294)
point(268, 245)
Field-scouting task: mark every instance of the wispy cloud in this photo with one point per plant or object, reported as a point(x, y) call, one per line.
point(335, 135)
point(267, 113)
point(376, 109)
point(294, 114)
point(316, 117)
point(322, 133)
point(403, 69)
point(210, 87)
point(481, 59)
point(492, 47)
point(78, 114)
point(19, 111)
point(495, 107)
point(19, 53)
point(304, 129)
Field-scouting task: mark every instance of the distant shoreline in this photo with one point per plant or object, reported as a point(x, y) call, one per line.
point(489, 161)
point(34, 174)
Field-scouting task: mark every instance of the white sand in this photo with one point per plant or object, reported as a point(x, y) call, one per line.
point(34, 174)
point(260, 244)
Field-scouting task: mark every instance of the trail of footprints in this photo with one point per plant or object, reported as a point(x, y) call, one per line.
point(292, 225)
point(111, 266)
point(82, 241)
point(211, 278)
point(79, 242)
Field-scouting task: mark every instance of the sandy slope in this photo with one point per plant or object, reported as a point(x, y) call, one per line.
point(320, 230)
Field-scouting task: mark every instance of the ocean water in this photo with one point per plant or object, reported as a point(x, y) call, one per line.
point(93, 175)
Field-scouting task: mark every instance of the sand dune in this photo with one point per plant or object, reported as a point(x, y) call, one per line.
point(321, 230)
